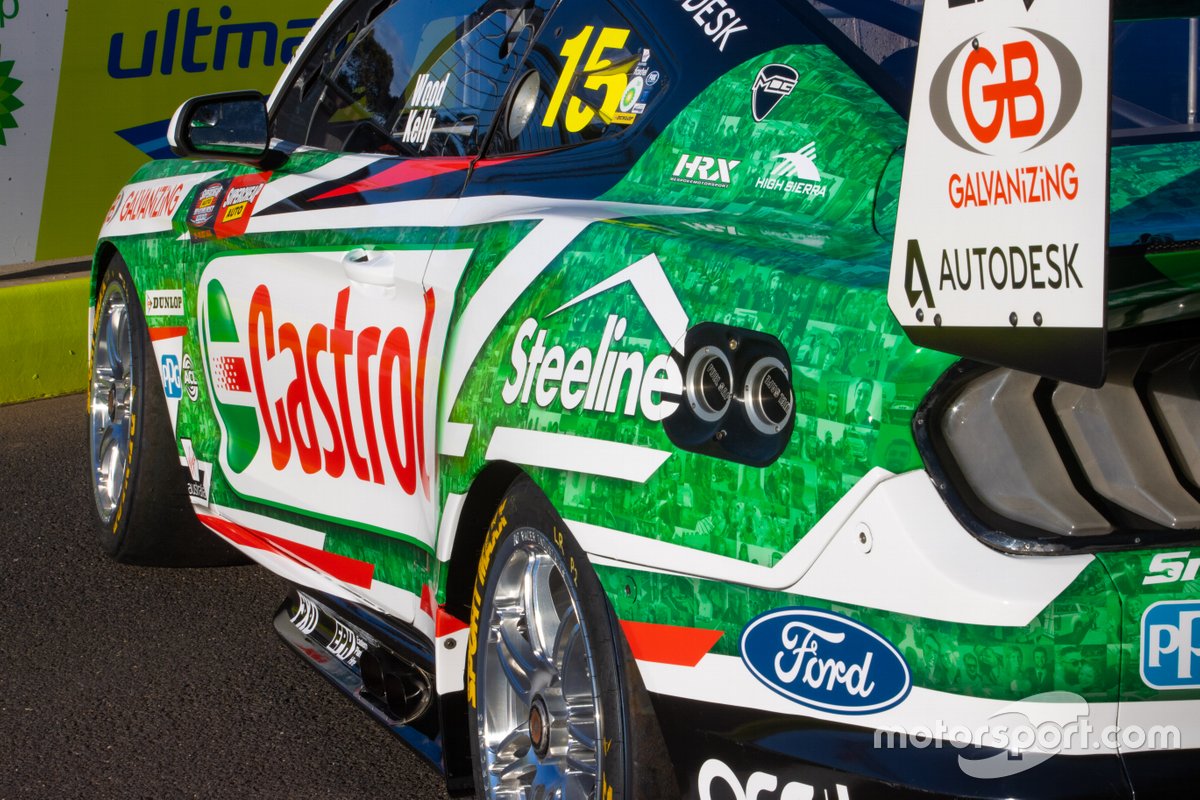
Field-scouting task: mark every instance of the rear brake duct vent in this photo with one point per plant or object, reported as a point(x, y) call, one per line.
point(1032, 465)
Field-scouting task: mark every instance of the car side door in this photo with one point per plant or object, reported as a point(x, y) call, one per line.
point(325, 290)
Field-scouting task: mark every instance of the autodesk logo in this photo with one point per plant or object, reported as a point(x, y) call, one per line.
point(8, 99)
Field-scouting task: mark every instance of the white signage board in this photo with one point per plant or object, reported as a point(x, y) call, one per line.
point(31, 46)
point(1001, 239)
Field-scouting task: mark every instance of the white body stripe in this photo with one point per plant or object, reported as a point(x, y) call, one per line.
point(575, 454)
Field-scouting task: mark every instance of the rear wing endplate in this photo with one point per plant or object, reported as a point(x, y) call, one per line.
point(1001, 239)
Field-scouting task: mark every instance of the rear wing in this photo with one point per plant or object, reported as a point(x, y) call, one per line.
point(1002, 240)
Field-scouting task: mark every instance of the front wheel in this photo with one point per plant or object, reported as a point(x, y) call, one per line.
point(557, 710)
point(143, 510)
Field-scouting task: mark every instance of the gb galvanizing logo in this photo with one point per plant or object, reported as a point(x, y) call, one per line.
point(1171, 645)
point(1006, 92)
point(825, 661)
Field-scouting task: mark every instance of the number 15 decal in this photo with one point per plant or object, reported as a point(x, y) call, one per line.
point(603, 75)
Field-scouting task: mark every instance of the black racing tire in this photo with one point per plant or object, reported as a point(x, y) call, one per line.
point(630, 757)
point(143, 512)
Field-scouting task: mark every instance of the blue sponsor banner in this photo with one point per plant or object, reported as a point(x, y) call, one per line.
point(1171, 645)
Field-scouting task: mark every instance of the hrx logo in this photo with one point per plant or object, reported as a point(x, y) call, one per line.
point(704, 170)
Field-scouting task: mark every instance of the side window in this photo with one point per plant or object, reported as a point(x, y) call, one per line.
point(589, 75)
point(296, 106)
point(413, 77)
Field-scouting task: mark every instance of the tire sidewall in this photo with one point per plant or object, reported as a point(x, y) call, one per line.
point(114, 532)
point(526, 509)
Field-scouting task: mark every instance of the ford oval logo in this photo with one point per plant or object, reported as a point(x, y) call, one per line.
point(825, 661)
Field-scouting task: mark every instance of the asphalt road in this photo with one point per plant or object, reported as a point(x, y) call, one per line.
point(126, 682)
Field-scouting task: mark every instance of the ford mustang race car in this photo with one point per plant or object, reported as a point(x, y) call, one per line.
point(569, 361)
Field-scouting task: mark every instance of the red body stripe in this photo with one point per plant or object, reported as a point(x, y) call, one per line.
point(447, 624)
point(158, 334)
point(413, 170)
point(669, 644)
point(348, 570)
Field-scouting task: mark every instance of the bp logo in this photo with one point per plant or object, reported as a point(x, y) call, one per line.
point(8, 99)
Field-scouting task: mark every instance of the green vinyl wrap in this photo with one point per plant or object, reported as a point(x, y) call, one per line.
point(807, 266)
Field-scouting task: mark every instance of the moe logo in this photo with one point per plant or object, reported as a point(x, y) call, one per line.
point(774, 82)
point(1171, 645)
point(8, 99)
point(825, 661)
point(1006, 92)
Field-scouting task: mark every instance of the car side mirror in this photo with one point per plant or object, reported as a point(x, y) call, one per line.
point(230, 126)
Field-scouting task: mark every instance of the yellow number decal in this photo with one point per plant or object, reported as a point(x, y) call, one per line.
point(601, 76)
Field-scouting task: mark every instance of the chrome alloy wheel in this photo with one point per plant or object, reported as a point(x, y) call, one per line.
point(110, 400)
point(538, 714)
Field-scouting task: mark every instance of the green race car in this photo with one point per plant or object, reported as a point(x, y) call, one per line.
point(545, 348)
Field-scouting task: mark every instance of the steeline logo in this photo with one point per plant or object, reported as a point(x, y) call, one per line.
point(1006, 91)
point(1171, 645)
point(603, 377)
point(825, 661)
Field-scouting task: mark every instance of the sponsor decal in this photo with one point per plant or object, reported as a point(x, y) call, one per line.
point(1017, 186)
point(603, 378)
point(633, 93)
point(1171, 645)
point(796, 173)
point(759, 786)
point(160, 199)
point(307, 616)
point(164, 303)
point(346, 645)
point(171, 376)
point(9, 102)
point(426, 97)
point(235, 210)
point(185, 40)
point(191, 385)
point(774, 82)
point(601, 72)
point(321, 390)
point(704, 171)
point(716, 19)
point(1172, 568)
point(591, 379)
point(199, 478)
point(825, 661)
point(1007, 91)
point(205, 207)
point(149, 206)
point(1009, 115)
point(652, 77)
